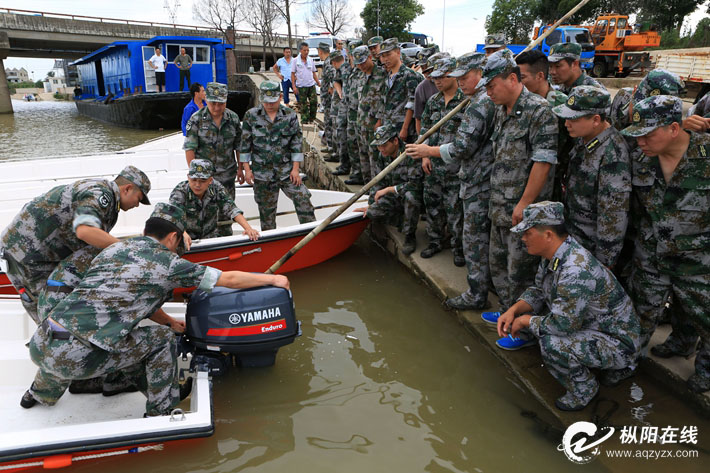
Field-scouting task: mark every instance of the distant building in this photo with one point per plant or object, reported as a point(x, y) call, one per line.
point(55, 78)
point(17, 75)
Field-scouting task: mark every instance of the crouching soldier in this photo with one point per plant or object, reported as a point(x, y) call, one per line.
point(203, 199)
point(577, 309)
point(271, 151)
point(95, 329)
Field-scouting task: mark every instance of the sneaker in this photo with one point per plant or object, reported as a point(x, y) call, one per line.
point(341, 172)
point(459, 260)
point(430, 250)
point(611, 378)
point(570, 403)
point(28, 400)
point(460, 303)
point(665, 350)
point(514, 343)
point(410, 244)
point(491, 317)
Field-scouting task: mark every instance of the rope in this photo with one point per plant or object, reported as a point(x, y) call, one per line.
point(86, 457)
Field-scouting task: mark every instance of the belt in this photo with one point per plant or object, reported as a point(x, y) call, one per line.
point(64, 289)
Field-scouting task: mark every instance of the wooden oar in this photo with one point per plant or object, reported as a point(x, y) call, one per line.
point(256, 217)
point(402, 156)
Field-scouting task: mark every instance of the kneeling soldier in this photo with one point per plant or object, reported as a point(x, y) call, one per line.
point(577, 309)
point(271, 151)
point(203, 199)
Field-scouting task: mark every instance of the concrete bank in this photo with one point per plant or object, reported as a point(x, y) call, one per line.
point(658, 379)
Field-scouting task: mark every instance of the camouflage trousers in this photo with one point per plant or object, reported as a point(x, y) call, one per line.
point(266, 195)
point(229, 183)
point(32, 278)
point(353, 145)
point(307, 103)
point(690, 299)
point(475, 241)
point(366, 153)
point(392, 209)
point(443, 207)
point(326, 99)
point(568, 359)
point(339, 116)
point(512, 268)
point(151, 365)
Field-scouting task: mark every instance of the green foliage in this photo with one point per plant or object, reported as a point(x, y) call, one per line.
point(396, 17)
point(514, 18)
point(700, 38)
point(549, 11)
point(38, 84)
point(667, 15)
point(25, 85)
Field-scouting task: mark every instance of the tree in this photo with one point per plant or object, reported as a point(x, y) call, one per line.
point(264, 18)
point(329, 15)
point(701, 36)
point(395, 17)
point(549, 11)
point(514, 18)
point(222, 15)
point(668, 15)
point(284, 9)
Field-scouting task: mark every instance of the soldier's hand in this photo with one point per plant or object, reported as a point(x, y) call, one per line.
point(520, 323)
point(251, 233)
point(426, 166)
point(295, 177)
point(504, 323)
point(380, 193)
point(177, 326)
point(517, 216)
point(362, 210)
point(188, 241)
point(249, 177)
point(280, 281)
point(403, 134)
point(240, 176)
point(295, 89)
point(696, 123)
point(417, 151)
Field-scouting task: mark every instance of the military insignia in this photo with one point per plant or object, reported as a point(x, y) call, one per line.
point(104, 201)
point(703, 151)
point(654, 92)
point(188, 125)
point(593, 145)
point(570, 102)
point(491, 40)
point(555, 264)
point(637, 117)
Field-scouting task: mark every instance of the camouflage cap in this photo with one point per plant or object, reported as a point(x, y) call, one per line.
point(173, 215)
point(384, 133)
point(659, 82)
point(374, 41)
point(443, 67)
point(495, 40)
point(431, 60)
point(354, 43)
point(138, 179)
point(424, 54)
point(584, 100)
point(654, 112)
point(389, 44)
point(561, 51)
point(335, 54)
point(497, 63)
point(216, 92)
point(324, 47)
point(360, 54)
point(541, 213)
point(200, 169)
point(270, 91)
point(468, 62)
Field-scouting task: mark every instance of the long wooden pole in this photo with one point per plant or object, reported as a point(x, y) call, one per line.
point(402, 156)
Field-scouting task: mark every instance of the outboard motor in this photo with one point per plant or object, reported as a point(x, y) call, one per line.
point(250, 324)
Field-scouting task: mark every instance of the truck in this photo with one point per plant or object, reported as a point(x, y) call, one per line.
point(693, 66)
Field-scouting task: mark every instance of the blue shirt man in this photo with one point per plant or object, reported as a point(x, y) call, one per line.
point(198, 97)
point(282, 68)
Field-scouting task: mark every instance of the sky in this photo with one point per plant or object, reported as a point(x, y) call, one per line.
point(455, 25)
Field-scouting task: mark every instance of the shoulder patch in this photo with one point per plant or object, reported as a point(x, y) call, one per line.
point(104, 200)
point(594, 144)
point(188, 125)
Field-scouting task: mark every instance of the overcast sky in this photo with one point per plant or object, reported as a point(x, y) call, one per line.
point(463, 19)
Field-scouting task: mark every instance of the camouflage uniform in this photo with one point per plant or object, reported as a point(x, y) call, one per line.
point(702, 107)
point(202, 215)
point(44, 232)
point(399, 98)
point(582, 316)
point(339, 112)
point(354, 84)
point(370, 107)
point(672, 256)
point(598, 185)
point(272, 148)
point(326, 83)
point(564, 145)
point(571, 51)
point(126, 283)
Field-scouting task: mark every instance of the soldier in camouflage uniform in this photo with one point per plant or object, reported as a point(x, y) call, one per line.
point(203, 199)
point(576, 309)
point(95, 329)
point(54, 225)
point(374, 44)
point(441, 183)
point(326, 94)
point(598, 186)
point(525, 152)
point(272, 153)
point(370, 105)
point(671, 218)
point(494, 42)
point(426, 88)
point(565, 69)
point(702, 109)
point(338, 114)
point(472, 149)
point(353, 84)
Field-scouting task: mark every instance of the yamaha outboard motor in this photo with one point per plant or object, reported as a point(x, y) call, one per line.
point(250, 324)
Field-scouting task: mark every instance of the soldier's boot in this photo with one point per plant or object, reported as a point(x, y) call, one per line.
point(611, 378)
point(331, 158)
point(433, 248)
point(459, 260)
point(410, 244)
point(355, 180)
point(576, 401)
point(28, 400)
point(117, 383)
point(462, 303)
point(87, 386)
point(700, 381)
point(341, 171)
point(668, 349)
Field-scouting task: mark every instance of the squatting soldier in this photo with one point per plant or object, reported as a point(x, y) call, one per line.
point(396, 198)
point(54, 225)
point(326, 91)
point(576, 303)
point(99, 320)
point(524, 148)
point(352, 94)
point(338, 114)
point(598, 185)
point(272, 154)
point(565, 69)
point(441, 183)
point(370, 105)
point(473, 149)
point(203, 199)
point(426, 88)
point(494, 42)
point(304, 79)
point(672, 251)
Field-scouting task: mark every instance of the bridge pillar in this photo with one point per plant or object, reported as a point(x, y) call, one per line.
point(5, 100)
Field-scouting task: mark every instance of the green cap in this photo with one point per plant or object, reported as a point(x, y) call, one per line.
point(138, 179)
point(383, 134)
point(173, 215)
point(269, 91)
point(497, 63)
point(659, 82)
point(561, 51)
point(389, 44)
point(468, 62)
point(654, 112)
point(200, 169)
point(424, 54)
point(431, 60)
point(584, 100)
point(443, 67)
point(324, 47)
point(335, 54)
point(374, 41)
point(354, 43)
point(541, 213)
point(495, 40)
point(216, 92)
point(360, 54)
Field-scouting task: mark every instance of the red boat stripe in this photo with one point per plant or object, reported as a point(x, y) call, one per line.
point(274, 326)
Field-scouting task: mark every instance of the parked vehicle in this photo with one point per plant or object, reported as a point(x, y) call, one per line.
point(313, 41)
point(410, 49)
point(692, 66)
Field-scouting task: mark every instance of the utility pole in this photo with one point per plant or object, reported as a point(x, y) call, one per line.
point(443, 25)
point(378, 17)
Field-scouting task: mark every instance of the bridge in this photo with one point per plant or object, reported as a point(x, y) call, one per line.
point(27, 33)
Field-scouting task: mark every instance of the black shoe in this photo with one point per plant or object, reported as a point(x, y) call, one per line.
point(666, 351)
point(28, 400)
point(339, 171)
point(355, 181)
point(331, 159)
point(131, 388)
point(410, 244)
point(185, 389)
point(87, 386)
point(695, 383)
point(459, 259)
point(430, 250)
